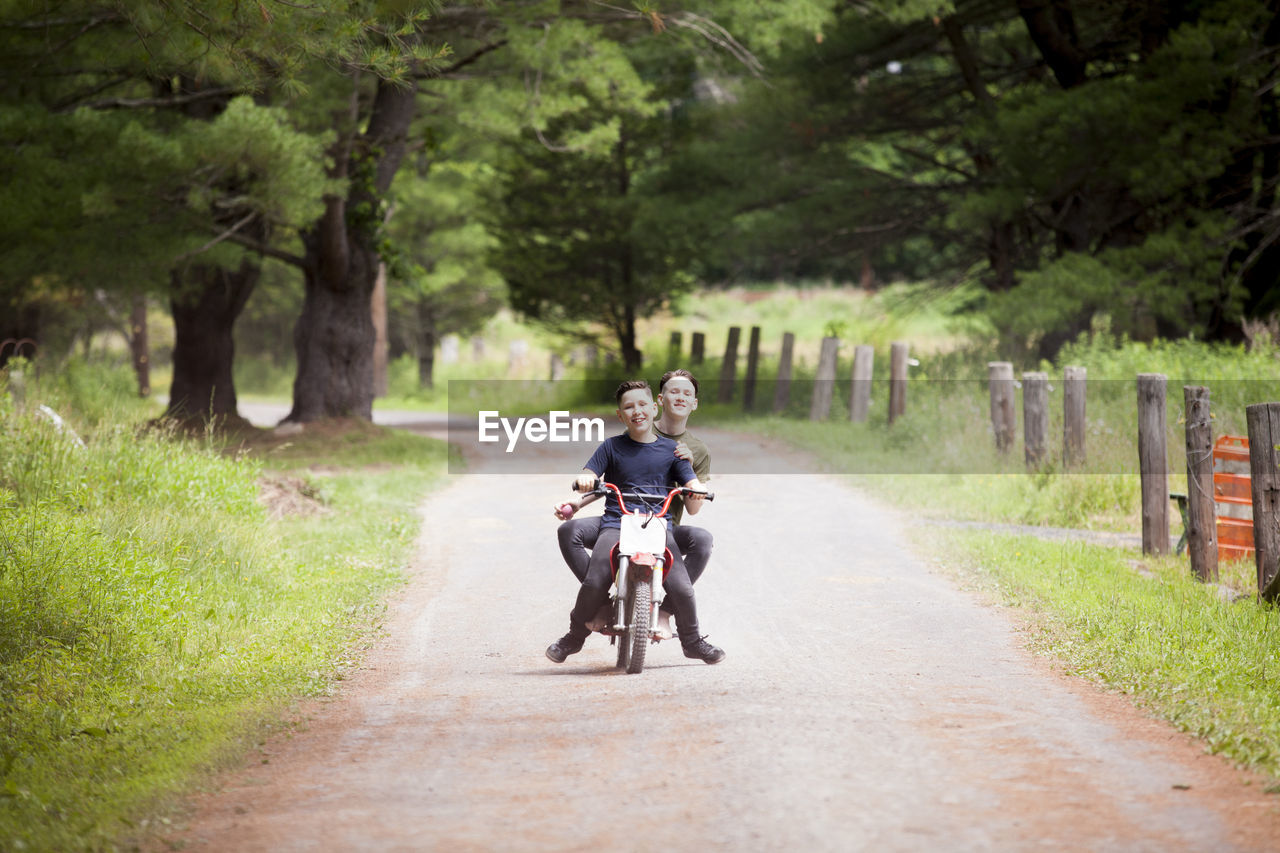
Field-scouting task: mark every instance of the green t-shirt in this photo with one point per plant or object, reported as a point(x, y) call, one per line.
point(701, 462)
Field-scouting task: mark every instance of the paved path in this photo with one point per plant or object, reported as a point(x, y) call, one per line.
point(866, 704)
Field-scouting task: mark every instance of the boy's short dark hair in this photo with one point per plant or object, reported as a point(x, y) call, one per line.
point(631, 385)
point(678, 372)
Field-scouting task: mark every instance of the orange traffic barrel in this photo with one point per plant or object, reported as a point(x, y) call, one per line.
point(1232, 497)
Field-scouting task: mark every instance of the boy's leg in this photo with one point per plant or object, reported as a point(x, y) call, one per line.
point(595, 587)
point(593, 592)
point(577, 537)
point(694, 544)
point(680, 594)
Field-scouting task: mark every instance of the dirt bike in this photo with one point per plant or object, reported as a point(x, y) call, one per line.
point(638, 561)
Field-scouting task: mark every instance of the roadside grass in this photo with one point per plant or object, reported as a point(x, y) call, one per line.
point(155, 619)
point(1200, 656)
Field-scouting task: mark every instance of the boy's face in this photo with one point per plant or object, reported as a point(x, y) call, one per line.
point(636, 411)
point(679, 397)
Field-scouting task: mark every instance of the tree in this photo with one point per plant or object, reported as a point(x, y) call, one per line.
point(572, 240)
point(1078, 159)
point(445, 285)
point(595, 221)
point(123, 100)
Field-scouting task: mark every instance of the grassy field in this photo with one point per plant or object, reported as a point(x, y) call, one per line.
point(163, 600)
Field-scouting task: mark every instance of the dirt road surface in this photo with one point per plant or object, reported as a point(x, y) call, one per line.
point(866, 703)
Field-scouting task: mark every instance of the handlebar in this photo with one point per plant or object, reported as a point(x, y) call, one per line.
point(602, 488)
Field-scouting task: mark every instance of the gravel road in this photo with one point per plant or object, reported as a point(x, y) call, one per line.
point(866, 703)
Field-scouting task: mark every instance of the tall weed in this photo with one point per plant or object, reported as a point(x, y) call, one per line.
point(151, 615)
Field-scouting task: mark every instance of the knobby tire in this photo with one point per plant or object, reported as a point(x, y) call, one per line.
point(639, 629)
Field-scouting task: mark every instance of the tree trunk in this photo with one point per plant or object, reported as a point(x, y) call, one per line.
point(1001, 239)
point(1260, 276)
point(206, 300)
point(426, 347)
point(427, 368)
point(379, 317)
point(1052, 28)
point(334, 336)
point(632, 358)
point(138, 344)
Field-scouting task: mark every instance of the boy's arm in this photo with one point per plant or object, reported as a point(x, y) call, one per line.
point(693, 503)
point(577, 503)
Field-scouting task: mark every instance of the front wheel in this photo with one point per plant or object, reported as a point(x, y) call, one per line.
point(639, 629)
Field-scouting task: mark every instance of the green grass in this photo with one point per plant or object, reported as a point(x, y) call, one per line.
point(153, 617)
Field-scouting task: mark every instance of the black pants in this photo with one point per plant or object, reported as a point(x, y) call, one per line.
point(595, 588)
point(577, 538)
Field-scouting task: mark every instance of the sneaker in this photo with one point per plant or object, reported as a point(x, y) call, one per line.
point(565, 646)
point(700, 649)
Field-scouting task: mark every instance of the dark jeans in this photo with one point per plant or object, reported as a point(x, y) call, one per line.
point(595, 588)
point(578, 537)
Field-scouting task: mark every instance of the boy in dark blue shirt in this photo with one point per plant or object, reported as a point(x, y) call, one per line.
point(638, 461)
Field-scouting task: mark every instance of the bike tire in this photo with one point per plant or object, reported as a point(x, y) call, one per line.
point(639, 630)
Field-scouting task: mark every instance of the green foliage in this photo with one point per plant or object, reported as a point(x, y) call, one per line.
point(1167, 282)
point(152, 616)
point(444, 284)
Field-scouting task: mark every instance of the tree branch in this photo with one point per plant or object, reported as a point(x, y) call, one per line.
point(269, 251)
point(173, 101)
point(437, 73)
point(225, 235)
point(705, 27)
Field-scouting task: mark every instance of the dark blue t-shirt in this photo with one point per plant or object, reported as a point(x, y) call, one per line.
point(633, 466)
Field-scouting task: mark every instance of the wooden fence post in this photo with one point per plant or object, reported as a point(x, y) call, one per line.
point(1003, 418)
point(753, 364)
point(782, 387)
point(1035, 416)
point(18, 388)
point(557, 367)
point(381, 347)
point(898, 351)
point(697, 347)
point(1264, 485)
point(1153, 463)
point(860, 387)
point(1073, 419)
point(824, 383)
point(674, 348)
point(1202, 525)
point(729, 367)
